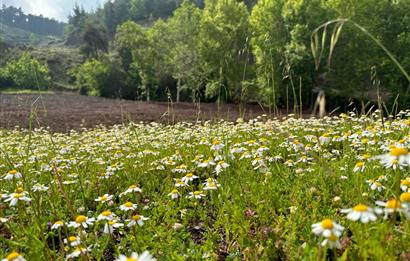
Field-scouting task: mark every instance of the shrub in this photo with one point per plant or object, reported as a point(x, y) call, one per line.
point(26, 73)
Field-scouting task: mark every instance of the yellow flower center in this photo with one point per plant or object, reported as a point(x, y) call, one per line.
point(216, 142)
point(393, 203)
point(405, 197)
point(128, 204)
point(111, 222)
point(132, 187)
point(360, 208)
point(12, 256)
point(106, 213)
point(197, 193)
point(394, 162)
point(80, 219)
point(333, 237)
point(131, 259)
point(136, 217)
point(104, 198)
point(72, 239)
point(398, 151)
point(359, 164)
point(405, 182)
point(13, 172)
point(59, 223)
point(327, 224)
point(189, 175)
point(18, 195)
point(174, 191)
point(19, 190)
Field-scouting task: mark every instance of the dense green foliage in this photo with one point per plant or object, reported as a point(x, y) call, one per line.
point(245, 51)
point(25, 73)
point(223, 191)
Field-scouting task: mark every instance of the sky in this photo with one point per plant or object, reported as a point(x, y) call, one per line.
point(57, 9)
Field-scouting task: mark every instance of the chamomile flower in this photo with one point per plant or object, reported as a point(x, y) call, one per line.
point(81, 221)
point(14, 256)
point(174, 194)
point(405, 184)
point(132, 188)
point(206, 163)
point(57, 225)
point(104, 198)
point(332, 241)
point(221, 166)
point(106, 215)
point(145, 256)
point(375, 185)
point(359, 167)
point(111, 225)
point(180, 183)
point(392, 206)
point(128, 206)
point(12, 174)
point(39, 187)
point(327, 227)
point(196, 195)
point(360, 212)
point(211, 184)
point(72, 241)
point(14, 198)
point(405, 200)
point(398, 156)
point(78, 251)
point(189, 177)
point(137, 219)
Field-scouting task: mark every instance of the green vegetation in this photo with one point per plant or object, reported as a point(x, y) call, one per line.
point(245, 191)
point(25, 73)
point(243, 51)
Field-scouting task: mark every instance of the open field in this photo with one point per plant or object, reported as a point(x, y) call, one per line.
point(336, 188)
point(66, 111)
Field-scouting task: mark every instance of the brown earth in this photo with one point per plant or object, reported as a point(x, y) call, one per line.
point(65, 111)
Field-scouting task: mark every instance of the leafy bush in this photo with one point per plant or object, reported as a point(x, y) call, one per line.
point(103, 78)
point(26, 73)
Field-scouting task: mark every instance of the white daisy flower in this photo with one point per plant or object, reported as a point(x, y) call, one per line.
point(174, 194)
point(111, 225)
point(81, 221)
point(137, 219)
point(104, 198)
point(196, 194)
point(12, 174)
point(327, 227)
point(128, 206)
point(332, 241)
point(57, 225)
point(145, 256)
point(189, 177)
point(360, 212)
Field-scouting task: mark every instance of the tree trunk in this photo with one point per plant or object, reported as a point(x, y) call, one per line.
point(147, 93)
point(178, 89)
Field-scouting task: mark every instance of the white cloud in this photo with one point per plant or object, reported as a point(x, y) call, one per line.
point(58, 9)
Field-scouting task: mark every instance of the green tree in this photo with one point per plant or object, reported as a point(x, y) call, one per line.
point(184, 61)
point(268, 45)
point(27, 73)
point(223, 42)
point(135, 39)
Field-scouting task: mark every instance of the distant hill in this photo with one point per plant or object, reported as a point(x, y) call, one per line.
point(18, 27)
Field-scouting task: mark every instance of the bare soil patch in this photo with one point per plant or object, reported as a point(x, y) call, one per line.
point(66, 111)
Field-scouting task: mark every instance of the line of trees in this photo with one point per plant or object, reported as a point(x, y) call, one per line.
point(240, 51)
point(15, 17)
